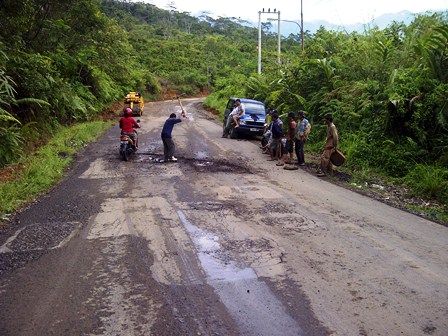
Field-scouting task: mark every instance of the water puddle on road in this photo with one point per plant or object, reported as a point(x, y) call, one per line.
point(217, 166)
point(201, 155)
point(250, 301)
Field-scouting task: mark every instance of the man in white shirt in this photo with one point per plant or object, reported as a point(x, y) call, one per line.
point(237, 113)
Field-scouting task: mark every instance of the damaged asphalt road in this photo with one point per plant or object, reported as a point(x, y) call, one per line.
point(221, 242)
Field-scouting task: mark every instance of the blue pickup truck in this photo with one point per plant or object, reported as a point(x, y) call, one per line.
point(253, 121)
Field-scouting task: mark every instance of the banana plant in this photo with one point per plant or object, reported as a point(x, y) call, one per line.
point(433, 52)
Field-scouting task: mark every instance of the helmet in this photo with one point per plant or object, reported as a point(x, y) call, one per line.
point(291, 114)
point(128, 111)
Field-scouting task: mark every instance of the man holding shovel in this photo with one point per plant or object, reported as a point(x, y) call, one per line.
point(167, 139)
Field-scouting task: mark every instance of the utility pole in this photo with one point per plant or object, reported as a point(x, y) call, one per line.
point(259, 35)
point(279, 40)
point(301, 24)
point(259, 41)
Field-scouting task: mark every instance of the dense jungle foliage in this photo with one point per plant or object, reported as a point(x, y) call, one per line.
point(66, 61)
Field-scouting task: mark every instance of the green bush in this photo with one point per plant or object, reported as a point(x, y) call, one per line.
point(429, 180)
point(355, 149)
point(11, 148)
point(47, 165)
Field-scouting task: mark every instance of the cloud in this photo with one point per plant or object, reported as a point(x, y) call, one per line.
point(335, 11)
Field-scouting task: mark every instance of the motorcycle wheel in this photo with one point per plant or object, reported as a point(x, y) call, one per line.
point(124, 153)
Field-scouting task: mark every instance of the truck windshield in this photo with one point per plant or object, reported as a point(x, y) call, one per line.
point(254, 108)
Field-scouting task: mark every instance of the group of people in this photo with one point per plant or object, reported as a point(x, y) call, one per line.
point(282, 146)
point(279, 146)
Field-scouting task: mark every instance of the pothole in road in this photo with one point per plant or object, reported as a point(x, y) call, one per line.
point(201, 155)
point(291, 223)
point(279, 208)
point(148, 157)
point(33, 241)
point(200, 163)
point(209, 206)
point(42, 236)
point(217, 166)
point(243, 246)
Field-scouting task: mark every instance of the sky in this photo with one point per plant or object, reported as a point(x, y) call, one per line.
point(333, 11)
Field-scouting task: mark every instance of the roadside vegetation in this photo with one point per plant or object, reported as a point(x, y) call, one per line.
point(34, 174)
point(388, 92)
point(64, 62)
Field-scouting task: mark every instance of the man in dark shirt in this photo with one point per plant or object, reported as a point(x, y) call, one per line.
point(168, 143)
point(277, 133)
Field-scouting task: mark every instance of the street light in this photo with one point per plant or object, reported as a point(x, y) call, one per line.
point(300, 26)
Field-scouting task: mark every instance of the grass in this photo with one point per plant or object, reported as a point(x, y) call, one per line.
point(44, 168)
point(422, 192)
point(424, 189)
point(217, 104)
point(431, 212)
point(430, 180)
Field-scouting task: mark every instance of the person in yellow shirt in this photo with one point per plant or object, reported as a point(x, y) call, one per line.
point(332, 141)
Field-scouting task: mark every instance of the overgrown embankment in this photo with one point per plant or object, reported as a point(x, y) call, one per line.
point(39, 171)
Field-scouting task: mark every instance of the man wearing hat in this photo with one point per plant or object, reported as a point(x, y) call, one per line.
point(303, 130)
point(332, 141)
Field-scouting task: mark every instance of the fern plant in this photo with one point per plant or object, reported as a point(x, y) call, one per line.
point(10, 130)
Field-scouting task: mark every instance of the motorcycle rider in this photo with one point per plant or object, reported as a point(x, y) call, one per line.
point(127, 125)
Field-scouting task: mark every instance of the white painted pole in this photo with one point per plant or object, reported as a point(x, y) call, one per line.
point(301, 25)
point(259, 42)
point(279, 40)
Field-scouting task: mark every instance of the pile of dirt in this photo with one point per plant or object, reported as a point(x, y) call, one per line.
point(211, 110)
